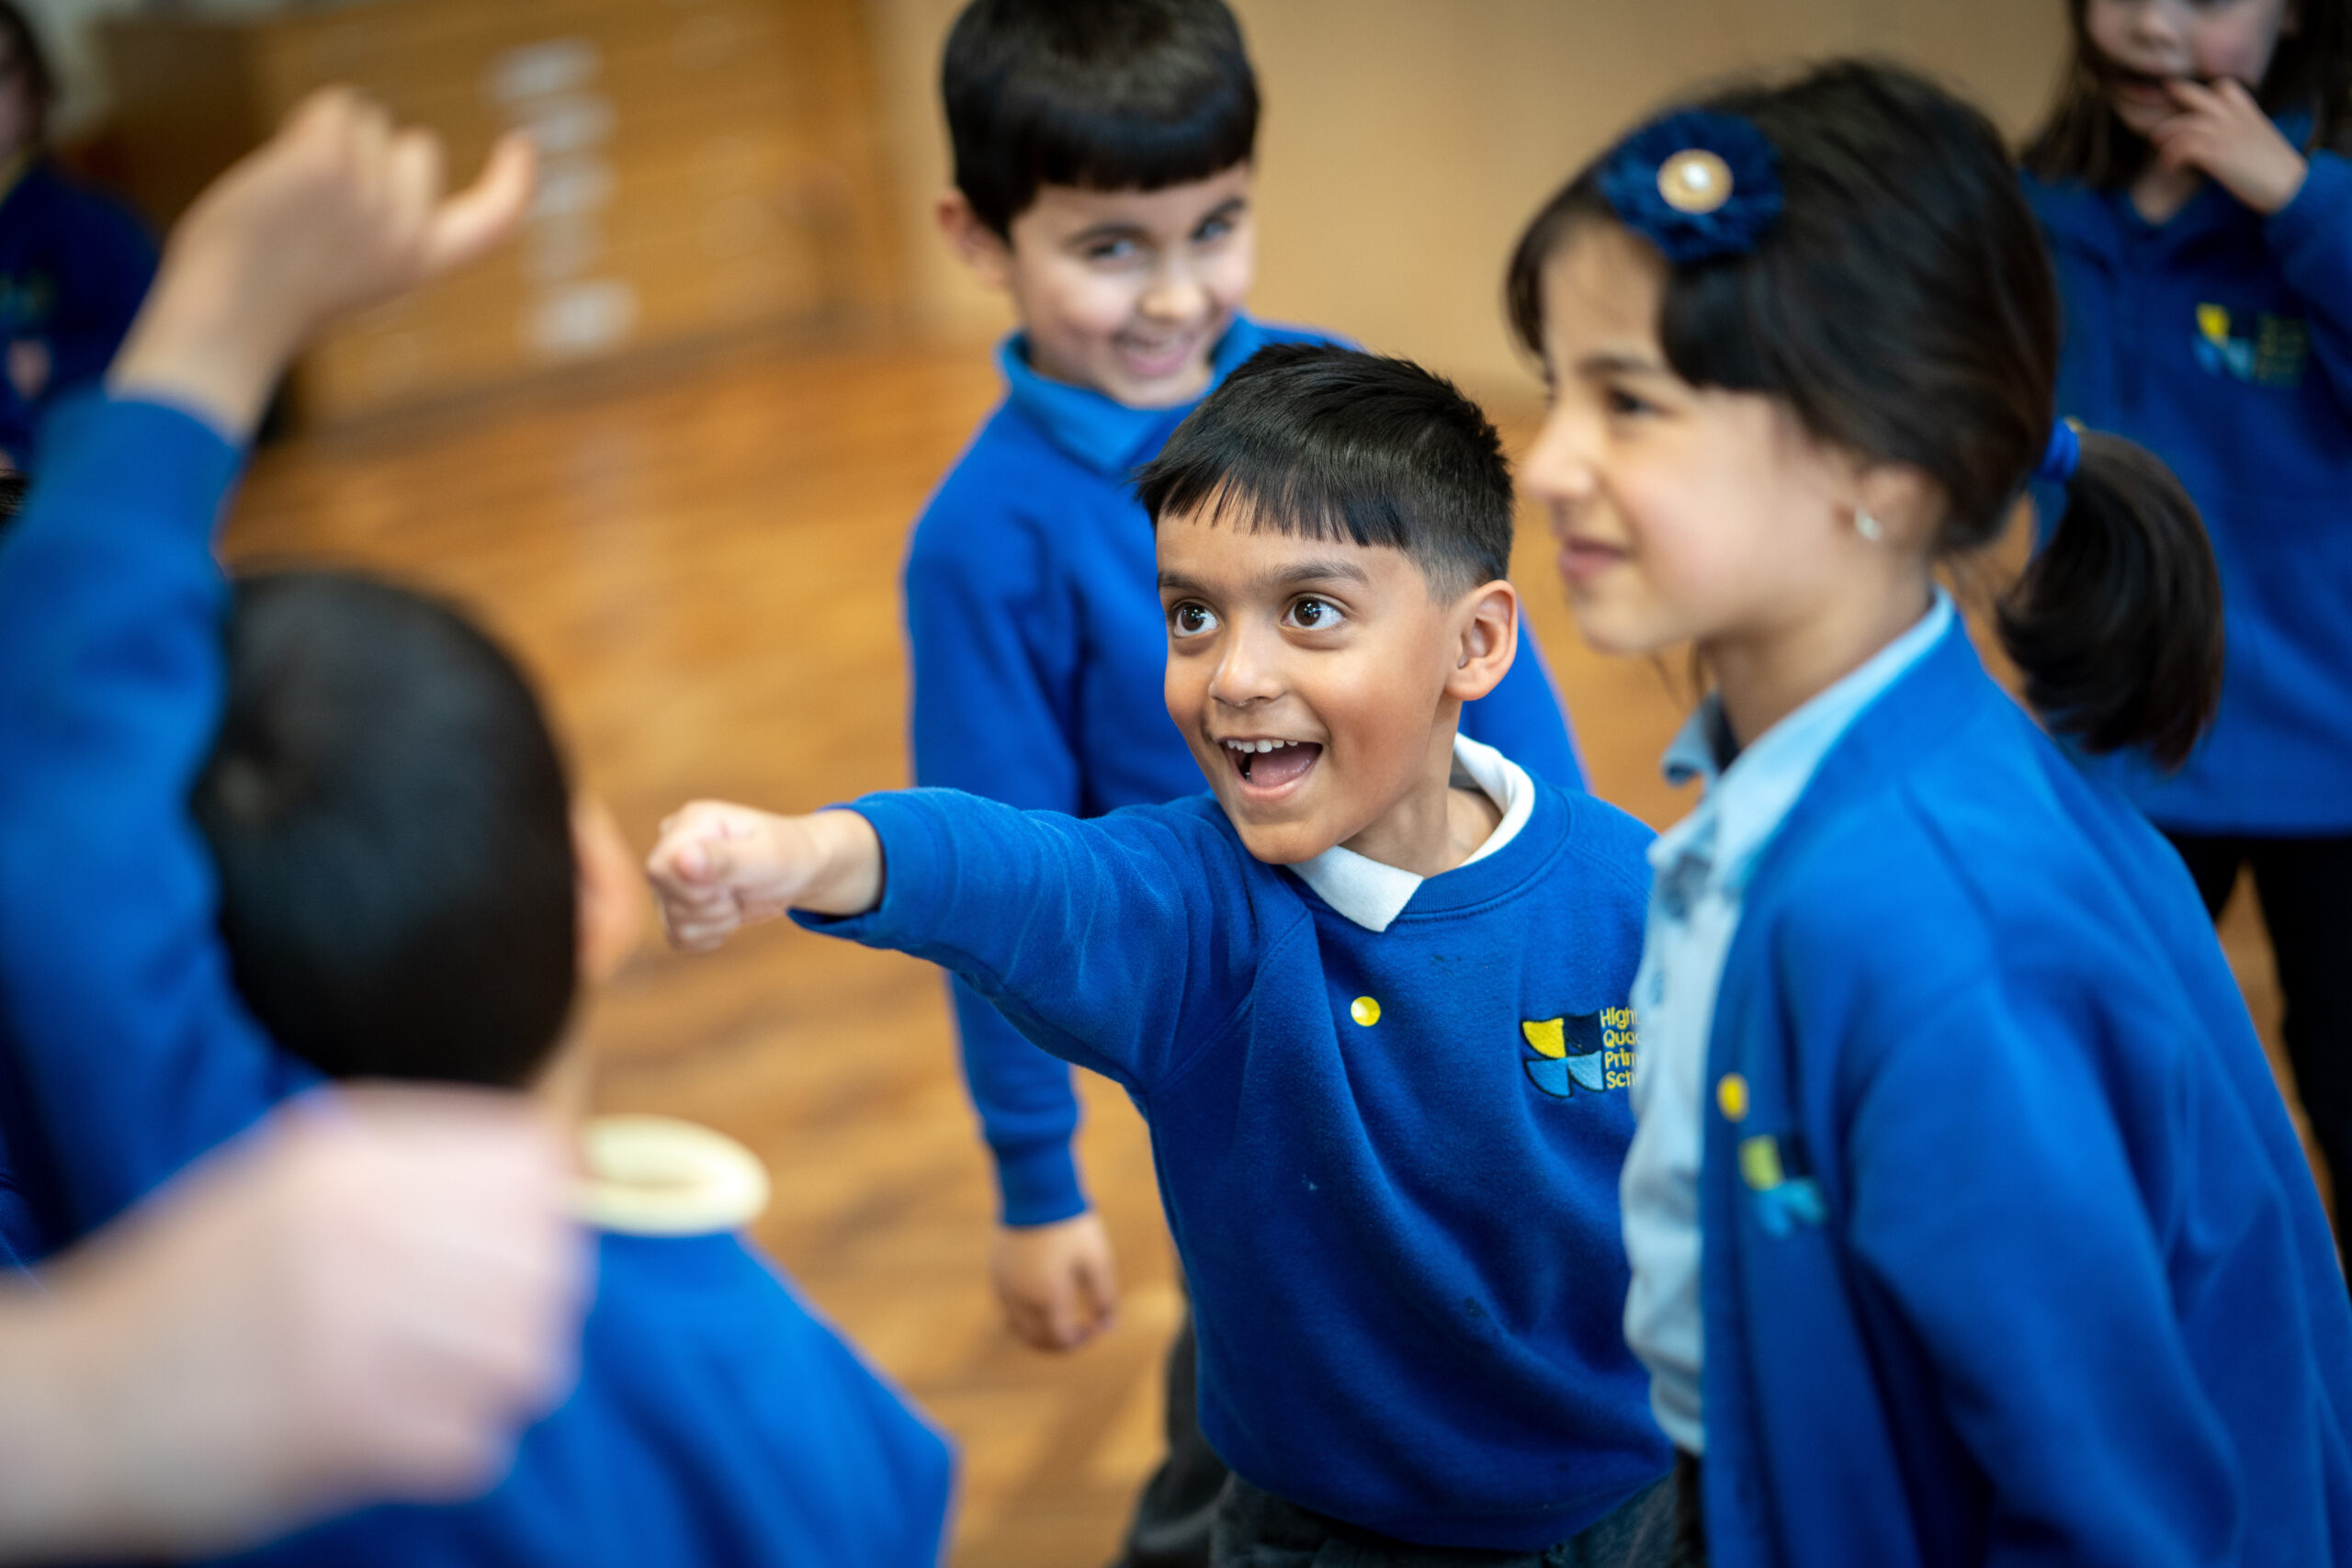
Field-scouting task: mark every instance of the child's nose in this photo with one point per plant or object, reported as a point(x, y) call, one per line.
point(1559, 468)
point(1244, 674)
point(1175, 297)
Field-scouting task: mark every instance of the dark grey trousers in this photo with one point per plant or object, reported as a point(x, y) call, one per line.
point(1257, 1530)
point(1176, 1505)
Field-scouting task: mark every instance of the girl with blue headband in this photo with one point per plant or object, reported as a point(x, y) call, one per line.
point(2194, 182)
point(1966, 1223)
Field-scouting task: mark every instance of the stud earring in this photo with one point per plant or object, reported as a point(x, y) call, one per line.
point(1868, 526)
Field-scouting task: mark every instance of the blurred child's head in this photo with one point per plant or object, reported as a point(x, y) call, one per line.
point(2293, 54)
point(408, 888)
point(1334, 536)
point(26, 85)
point(1791, 431)
point(1103, 181)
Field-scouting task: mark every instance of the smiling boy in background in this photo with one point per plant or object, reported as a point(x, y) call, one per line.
point(1104, 183)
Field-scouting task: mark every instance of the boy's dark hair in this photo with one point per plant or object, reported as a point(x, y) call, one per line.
point(1904, 307)
point(24, 47)
point(2083, 139)
point(1107, 94)
point(1326, 443)
point(392, 828)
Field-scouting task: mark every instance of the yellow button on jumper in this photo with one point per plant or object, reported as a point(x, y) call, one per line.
point(1364, 1011)
point(1731, 1094)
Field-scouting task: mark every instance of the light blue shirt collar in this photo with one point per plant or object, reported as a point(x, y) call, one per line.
point(1097, 430)
point(1746, 802)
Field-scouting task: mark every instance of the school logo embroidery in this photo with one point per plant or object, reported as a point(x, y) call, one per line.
point(1786, 1197)
point(2264, 351)
point(1587, 1051)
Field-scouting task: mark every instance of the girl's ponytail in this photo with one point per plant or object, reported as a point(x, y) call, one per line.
point(2116, 624)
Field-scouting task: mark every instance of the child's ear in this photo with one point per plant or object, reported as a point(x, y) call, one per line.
point(1905, 503)
point(612, 898)
point(1489, 640)
point(976, 244)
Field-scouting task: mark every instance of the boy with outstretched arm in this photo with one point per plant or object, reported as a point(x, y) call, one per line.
point(1369, 994)
point(1104, 183)
point(317, 824)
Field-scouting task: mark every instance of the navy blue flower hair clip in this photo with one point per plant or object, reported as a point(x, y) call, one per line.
point(1696, 184)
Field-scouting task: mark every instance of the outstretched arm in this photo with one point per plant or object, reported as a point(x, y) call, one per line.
point(1125, 943)
point(124, 1049)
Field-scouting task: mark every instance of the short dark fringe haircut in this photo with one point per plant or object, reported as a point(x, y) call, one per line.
point(1104, 95)
point(1319, 442)
point(2084, 140)
point(1904, 309)
point(392, 828)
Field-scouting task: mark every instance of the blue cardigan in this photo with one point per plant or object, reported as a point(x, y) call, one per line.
point(1390, 1159)
point(1034, 619)
point(717, 1421)
point(2011, 1255)
point(2222, 342)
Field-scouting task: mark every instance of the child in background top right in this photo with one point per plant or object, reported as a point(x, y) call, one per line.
point(1965, 1223)
point(2192, 183)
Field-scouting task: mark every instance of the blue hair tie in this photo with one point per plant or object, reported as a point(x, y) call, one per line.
point(1696, 184)
point(2062, 455)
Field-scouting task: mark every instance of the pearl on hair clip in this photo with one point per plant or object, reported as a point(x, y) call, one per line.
point(1694, 180)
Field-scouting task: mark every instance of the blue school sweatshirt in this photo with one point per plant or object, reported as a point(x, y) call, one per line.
point(1032, 615)
point(1399, 1220)
point(717, 1421)
point(2221, 340)
point(2010, 1254)
point(73, 267)
point(124, 1049)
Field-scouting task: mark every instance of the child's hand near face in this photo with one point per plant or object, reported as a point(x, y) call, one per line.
point(719, 867)
point(338, 211)
point(2222, 132)
point(1057, 1282)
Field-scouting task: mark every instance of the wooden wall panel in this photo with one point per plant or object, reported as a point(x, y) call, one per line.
point(710, 167)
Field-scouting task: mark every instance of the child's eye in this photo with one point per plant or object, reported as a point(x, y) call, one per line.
point(1191, 620)
point(1624, 402)
point(1112, 251)
point(1315, 614)
point(1215, 229)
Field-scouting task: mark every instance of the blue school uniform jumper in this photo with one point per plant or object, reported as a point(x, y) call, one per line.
point(2009, 1251)
point(1039, 646)
point(73, 268)
point(688, 1440)
point(2221, 340)
point(1388, 1155)
point(710, 1401)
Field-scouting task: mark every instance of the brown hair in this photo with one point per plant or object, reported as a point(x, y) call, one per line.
point(1904, 307)
point(2084, 140)
point(40, 82)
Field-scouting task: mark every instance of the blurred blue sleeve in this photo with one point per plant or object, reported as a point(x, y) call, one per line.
point(125, 1050)
point(992, 689)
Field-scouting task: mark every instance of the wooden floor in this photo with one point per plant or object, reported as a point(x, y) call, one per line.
point(701, 568)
